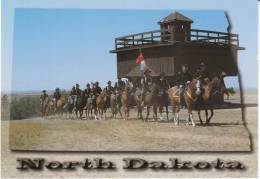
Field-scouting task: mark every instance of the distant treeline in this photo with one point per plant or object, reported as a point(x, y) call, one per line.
point(24, 107)
point(20, 106)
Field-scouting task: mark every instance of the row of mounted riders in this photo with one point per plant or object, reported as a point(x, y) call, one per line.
point(195, 93)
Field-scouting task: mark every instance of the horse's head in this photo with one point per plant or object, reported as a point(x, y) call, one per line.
point(103, 95)
point(210, 88)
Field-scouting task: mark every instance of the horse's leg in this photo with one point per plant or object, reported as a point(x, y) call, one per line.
point(127, 112)
point(211, 115)
point(189, 114)
point(155, 112)
point(192, 121)
point(207, 115)
point(160, 111)
point(200, 117)
point(95, 113)
point(104, 114)
point(148, 112)
point(177, 117)
point(167, 113)
point(81, 114)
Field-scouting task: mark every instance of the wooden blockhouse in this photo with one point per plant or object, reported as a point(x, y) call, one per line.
point(174, 44)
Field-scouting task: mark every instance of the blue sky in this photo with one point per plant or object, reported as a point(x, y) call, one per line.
point(61, 47)
point(59, 44)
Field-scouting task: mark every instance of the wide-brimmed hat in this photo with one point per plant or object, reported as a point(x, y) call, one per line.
point(162, 74)
point(77, 85)
point(202, 64)
point(185, 65)
point(44, 91)
point(57, 89)
point(147, 70)
point(223, 73)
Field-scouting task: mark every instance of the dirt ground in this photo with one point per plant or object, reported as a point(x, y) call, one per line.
point(226, 134)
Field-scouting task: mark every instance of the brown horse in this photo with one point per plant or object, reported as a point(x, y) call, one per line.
point(101, 102)
point(150, 99)
point(174, 98)
point(90, 106)
point(61, 104)
point(191, 96)
point(47, 107)
point(114, 105)
point(209, 90)
point(125, 101)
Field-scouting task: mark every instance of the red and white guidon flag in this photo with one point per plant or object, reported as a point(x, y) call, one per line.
point(139, 59)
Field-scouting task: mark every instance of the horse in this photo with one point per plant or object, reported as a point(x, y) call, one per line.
point(80, 105)
point(209, 90)
point(90, 106)
point(115, 105)
point(163, 101)
point(48, 107)
point(174, 100)
point(70, 105)
point(60, 105)
point(127, 100)
point(191, 96)
point(150, 99)
point(101, 102)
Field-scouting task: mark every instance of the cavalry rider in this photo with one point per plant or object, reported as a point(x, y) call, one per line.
point(184, 77)
point(56, 97)
point(202, 75)
point(146, 83)
point(97, 89)
point(131, 86)
point(147, 80)
point(73, 94)
point(87, 91)
point(109, 88)
point(119, 85)
point(43, 96)
point(78, 90)
point(163, 84)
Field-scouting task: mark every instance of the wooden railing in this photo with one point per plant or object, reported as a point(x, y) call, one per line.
point(167, 36)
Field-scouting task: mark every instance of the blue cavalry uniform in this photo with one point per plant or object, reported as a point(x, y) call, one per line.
point(56, 97)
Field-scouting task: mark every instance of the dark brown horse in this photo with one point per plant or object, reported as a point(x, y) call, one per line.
point(150, 99)
point(163, 101)
point(115, 106)
point(126, 102)
point(209, 91)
